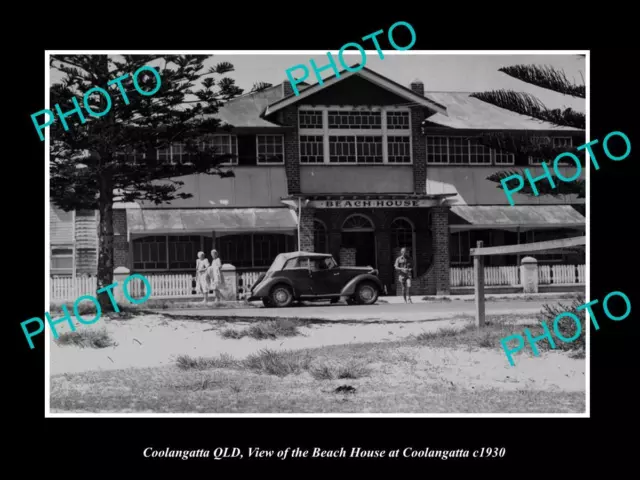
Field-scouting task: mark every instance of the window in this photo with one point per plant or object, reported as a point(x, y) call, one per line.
point(557, 142)
point(463, 151)
point(357, 223)
point(150, 253)
point(310, 119)
point(352, 119)
point(223, 145)
point(399, 149)
point(401, 234)
point(437, 150)
point(342, 149)
point(253, 250)
point(183, 251)
point(480, 155)
point(398, 121)
point(169, 252)
point(459, 247)
point(503, 158)
point(311, 149)
point(270, 148)
point(319, 237)
point(354, 136)
point(62, 260)
point(458, 150)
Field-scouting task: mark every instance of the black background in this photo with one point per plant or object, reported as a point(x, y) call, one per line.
point(82, 447)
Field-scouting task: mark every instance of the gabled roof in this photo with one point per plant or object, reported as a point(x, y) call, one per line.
point(466, 112)
point(246, 110)
point(367, 74)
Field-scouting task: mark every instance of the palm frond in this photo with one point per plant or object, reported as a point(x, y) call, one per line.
point(545, 77)
point(531, 106)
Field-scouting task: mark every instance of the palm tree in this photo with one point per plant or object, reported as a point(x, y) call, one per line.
point(527, 143)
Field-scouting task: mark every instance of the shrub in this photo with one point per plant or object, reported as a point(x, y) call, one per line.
point(566, 326)
point(87, 339)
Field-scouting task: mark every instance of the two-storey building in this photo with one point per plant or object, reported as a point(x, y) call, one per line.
point(358, 167)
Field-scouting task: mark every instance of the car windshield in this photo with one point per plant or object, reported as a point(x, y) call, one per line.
point(278, 263)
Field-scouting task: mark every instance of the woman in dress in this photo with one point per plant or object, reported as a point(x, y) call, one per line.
point(215, 275)
point(202, 264)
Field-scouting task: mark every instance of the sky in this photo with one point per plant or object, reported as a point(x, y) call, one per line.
point(444, 72)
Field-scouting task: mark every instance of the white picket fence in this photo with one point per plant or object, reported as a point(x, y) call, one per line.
point(162, 285)
point(510, 275)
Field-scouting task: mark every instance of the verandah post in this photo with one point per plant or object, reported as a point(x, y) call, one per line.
point(478, 270)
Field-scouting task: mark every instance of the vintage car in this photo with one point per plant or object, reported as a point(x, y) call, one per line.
point(297, 276)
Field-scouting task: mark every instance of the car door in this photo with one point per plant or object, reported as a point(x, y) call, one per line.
point(297, 270)
point(325, 277)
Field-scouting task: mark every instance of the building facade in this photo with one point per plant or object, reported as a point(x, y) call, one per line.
point(359, 167)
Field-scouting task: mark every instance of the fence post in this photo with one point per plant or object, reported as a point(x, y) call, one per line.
point(478, 270)
point(529, 275)
point(230, 290)
point(119, 275)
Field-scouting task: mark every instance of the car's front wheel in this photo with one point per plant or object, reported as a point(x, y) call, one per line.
point(281, 296)
point(366, 293)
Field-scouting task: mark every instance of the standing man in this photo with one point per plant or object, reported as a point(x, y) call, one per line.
point(403, 265)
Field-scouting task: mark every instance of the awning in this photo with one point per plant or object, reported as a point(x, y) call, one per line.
point(206, 220)
point(511, 218)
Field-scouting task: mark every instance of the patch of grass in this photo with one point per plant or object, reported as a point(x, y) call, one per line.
point(185, 362)
point(279, 363)
point(270, 362)
point(278, 328)
point(470, 336)
point(87, 339)
point(351, 370)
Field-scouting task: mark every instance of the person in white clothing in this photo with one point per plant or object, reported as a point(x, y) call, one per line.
point(202, 285)
point(216, 280)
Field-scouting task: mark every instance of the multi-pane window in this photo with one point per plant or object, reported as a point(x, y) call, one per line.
point(174, 154)
point(270, 148)
point(459, 246)
point(168, 252)
point(310, 118)
point(339, 136)
point(342, 149)
point(368, 149)
point(437, 150)
point(556, 142)
point(463, 151)
point(504, 158)
point(62, 260)
point(223, 145)
point(399, 149)
point(253, 250)
point(355, 149)
point(401, 234)
point(398, 121)
point(479, 154)
point(350, 119)
point(150, 253)
point(458, 150)
point(311, 148)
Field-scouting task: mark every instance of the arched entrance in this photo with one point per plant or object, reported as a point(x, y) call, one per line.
point(358, 233)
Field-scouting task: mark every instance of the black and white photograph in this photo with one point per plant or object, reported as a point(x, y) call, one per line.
point(237, 233)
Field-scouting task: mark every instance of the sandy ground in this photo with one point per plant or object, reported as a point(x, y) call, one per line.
point(152, 340)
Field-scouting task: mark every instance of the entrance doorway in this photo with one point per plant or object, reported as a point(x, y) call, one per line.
point(358, 233)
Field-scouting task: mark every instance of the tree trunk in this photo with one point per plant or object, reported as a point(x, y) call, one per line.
point(105, 252)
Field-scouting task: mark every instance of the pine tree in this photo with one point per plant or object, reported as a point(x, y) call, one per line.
point(552, 79)
point(92, 163)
